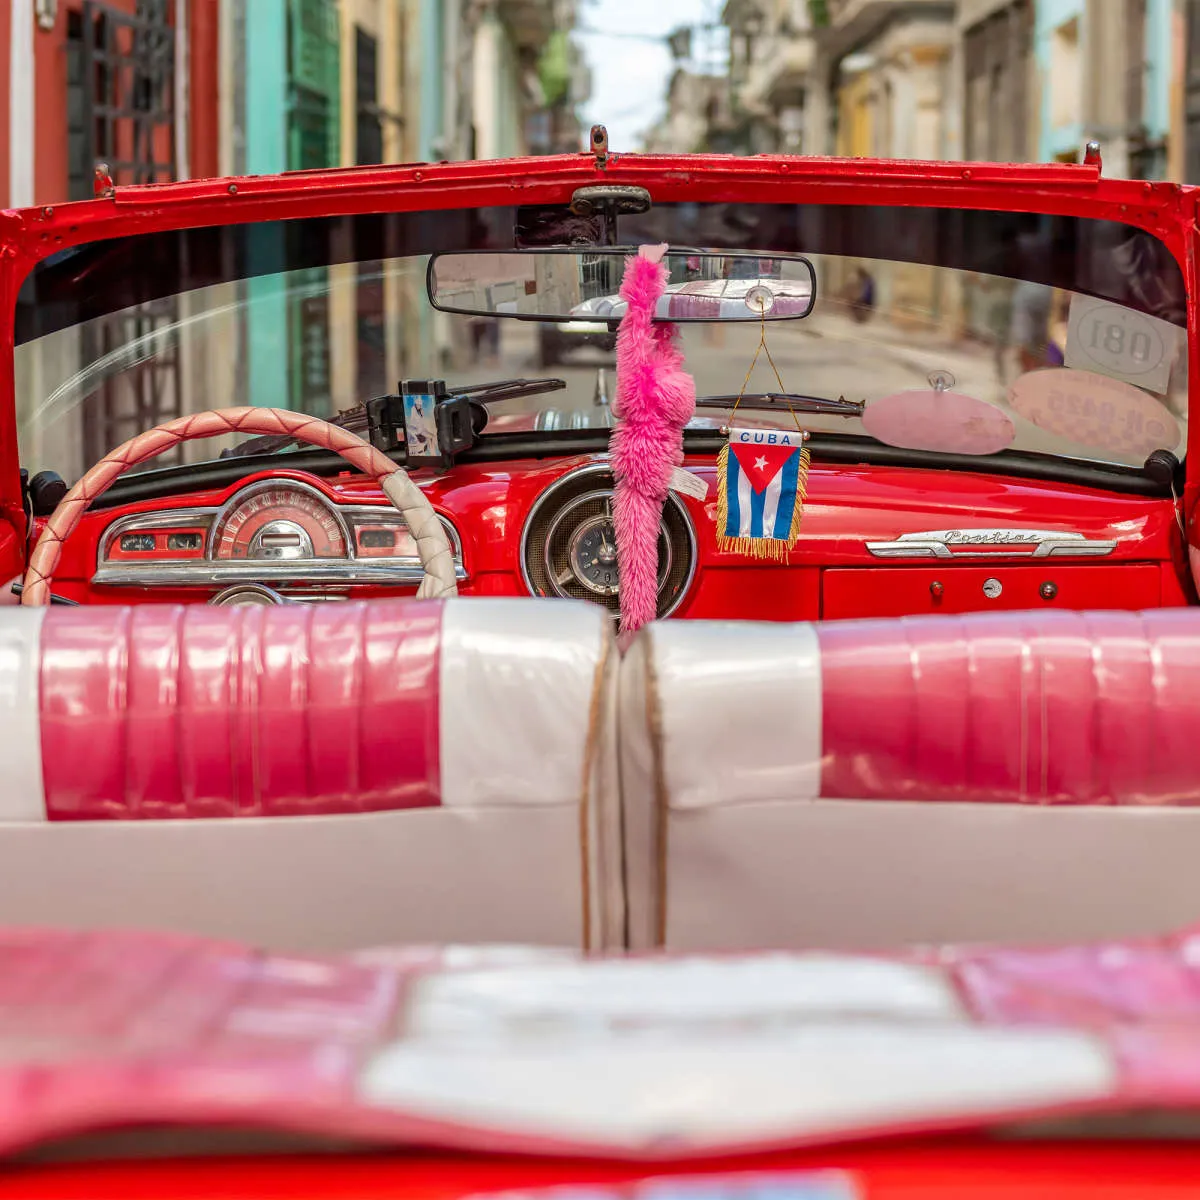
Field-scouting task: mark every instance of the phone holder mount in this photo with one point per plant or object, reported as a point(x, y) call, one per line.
point(432, 425)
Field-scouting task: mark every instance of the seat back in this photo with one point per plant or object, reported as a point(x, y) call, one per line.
point(1015, 776)
point(315, 777)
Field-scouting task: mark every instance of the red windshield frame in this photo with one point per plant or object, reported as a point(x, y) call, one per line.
point(1166, 210)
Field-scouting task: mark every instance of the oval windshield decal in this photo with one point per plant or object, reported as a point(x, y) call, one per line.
point(1095, 411)
point(939, 419)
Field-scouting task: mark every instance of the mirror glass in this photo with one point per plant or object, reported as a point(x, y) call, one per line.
point(577, 286)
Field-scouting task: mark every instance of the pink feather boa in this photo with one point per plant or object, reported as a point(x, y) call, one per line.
point(655, 399)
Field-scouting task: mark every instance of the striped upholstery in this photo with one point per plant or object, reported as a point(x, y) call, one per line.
point(995, 775)
point(319, 776)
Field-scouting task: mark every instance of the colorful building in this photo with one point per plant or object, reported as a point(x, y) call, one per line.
point(1105, 73)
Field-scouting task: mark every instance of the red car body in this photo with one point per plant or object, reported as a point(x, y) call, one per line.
point(831, 575)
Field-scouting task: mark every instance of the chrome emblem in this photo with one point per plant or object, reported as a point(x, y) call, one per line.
point(992, 543)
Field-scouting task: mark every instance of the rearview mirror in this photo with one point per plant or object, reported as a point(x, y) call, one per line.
point(581, 286)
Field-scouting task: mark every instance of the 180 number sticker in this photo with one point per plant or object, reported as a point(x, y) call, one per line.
point(1121, 343)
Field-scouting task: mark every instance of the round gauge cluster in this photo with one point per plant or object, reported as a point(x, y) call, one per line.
point(569, 546)
point(277, 522)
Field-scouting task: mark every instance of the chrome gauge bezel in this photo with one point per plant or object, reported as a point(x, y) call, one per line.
point(208, 572)
point(240, 498)
point(572, 479)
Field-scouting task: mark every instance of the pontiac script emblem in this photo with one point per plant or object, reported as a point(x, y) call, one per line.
point(992, 543)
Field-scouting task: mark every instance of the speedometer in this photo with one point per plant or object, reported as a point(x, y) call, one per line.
point(279, 521)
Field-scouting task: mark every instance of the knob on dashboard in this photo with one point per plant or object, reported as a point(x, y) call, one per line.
point(248, 593)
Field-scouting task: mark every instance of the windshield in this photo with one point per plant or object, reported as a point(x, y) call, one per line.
point(966, 333)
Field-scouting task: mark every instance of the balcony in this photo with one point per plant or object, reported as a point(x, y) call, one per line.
point(529, 22)
point(778, 78)
point(852, 22)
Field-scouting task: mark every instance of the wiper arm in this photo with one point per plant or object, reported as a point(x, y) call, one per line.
point(509, 389)
point(356, 420)
point(793, 401)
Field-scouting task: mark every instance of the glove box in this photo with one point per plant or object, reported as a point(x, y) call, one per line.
point(954, 588)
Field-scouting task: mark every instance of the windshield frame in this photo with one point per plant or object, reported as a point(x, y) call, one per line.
point(1164, 211)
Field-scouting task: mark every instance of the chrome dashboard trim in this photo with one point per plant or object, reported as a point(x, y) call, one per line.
point(604, 468)
point(205, 573)
point(402, 571)
point(156, 520)
point(992, 544)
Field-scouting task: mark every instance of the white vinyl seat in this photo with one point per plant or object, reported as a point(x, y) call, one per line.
point(324, 777)
point(1017, 776)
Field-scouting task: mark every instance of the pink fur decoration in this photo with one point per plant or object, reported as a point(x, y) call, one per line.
point(655, 399)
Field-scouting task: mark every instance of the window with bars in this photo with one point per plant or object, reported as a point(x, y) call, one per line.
point(1192, 95)
point(997, 55)
point(368, 137)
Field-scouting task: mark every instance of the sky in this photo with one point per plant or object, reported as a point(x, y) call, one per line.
point(631, 64)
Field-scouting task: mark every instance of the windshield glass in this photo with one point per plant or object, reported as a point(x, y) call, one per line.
point(968, 333)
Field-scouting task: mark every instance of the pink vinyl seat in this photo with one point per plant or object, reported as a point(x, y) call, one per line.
point(1016, 775)
point(313, 777)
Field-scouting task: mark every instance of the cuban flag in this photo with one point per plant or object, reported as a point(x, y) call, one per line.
point(762, 477)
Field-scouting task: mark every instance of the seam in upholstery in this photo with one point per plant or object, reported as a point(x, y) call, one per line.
point(1098, 665)
point(654, 723)
point(233, 685)
point(121, 703)
point(590, 744)
point(1045, 673)
point(309, 801)
point(358, 690)
point(176, 652)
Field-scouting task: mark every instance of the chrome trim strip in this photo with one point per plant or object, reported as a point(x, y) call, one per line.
point(402, 571)
point(136, 522)
point(1007, 543)
point(201, 573)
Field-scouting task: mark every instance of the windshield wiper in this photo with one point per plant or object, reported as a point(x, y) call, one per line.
point(793, 401)
point(357, 420)
point(509, 389)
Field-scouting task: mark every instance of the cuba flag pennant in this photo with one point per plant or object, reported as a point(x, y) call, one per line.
point(762, 477)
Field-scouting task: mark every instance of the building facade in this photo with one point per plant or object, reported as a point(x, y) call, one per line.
point(66, 71)
point(1104, 70)
point(169, 89)
point(1000, 84)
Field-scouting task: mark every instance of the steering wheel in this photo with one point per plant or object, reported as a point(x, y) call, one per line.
point(433, 546)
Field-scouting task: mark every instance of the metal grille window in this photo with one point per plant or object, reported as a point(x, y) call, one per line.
point(313, 142)
point(369, 125)
point(121, 111)
point(1192, 94)
point(997, 54)
point(313, 67)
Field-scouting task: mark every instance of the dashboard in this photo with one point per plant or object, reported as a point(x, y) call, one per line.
point(875, 541)
point(282, 532)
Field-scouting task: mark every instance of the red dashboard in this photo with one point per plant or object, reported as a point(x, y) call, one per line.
point(875, 541)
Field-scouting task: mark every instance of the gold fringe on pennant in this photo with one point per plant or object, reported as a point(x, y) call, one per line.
point(772, 548)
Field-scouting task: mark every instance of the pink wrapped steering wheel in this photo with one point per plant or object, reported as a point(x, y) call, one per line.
point(433, 546)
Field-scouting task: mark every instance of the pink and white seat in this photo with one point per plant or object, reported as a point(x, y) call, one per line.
point(1014, 776)
point(313, 777)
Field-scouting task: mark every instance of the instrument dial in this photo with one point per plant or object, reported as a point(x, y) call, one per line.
point(280, 522)
point(593, 556)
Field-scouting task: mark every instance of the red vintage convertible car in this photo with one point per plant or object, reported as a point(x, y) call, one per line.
point(310, 646)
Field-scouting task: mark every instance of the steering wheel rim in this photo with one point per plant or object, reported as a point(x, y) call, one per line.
point(433, 546)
